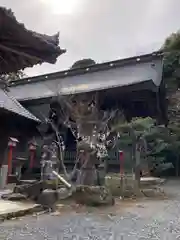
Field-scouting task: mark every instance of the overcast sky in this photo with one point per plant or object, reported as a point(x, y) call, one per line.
point(99, 29)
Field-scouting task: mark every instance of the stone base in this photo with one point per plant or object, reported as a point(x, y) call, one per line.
point(14, 197)
point(153, 193)
point(93, 196)
point(147, 193)
point(48, 199)
point(32, 191)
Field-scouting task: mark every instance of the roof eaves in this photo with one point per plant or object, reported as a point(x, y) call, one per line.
point(38, 48)
point(92, 68)
point(15, 106)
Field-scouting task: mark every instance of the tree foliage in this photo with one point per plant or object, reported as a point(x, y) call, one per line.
point(147, 141)
point(171, 49)
point(14, 76)
point(172, 42)
point(83, 63)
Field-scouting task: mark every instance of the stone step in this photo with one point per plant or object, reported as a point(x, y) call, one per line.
point(12, 178)
point(28, 181)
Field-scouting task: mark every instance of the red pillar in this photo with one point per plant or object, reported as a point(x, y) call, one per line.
point(11, 145)
point(10, 155)
point(32, 156)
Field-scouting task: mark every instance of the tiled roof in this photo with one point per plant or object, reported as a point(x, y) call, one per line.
point(9, 103)
point(21, 48)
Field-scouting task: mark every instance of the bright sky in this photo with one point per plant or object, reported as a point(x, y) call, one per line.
point(62, 6)
point(99, 29)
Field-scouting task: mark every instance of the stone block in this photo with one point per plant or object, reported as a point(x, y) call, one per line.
point(14, 197)
point(48, 199)
point(32, 191)
point(93, 195)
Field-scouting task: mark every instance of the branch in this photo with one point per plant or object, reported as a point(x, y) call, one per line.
point(59, 144)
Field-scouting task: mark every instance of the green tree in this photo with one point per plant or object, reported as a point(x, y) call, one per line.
point(83, 63)
point(134, 134)
point(149, 143)
point(171, 49)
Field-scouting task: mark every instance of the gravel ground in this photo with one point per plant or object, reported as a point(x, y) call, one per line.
point(144, 220)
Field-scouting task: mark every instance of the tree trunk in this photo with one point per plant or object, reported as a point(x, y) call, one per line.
point(137, 165)
point(87, 173)
point(137, 171)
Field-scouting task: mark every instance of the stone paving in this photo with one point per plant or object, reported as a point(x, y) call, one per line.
point(158, 219)
point(13, 207)
point(9, 208)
